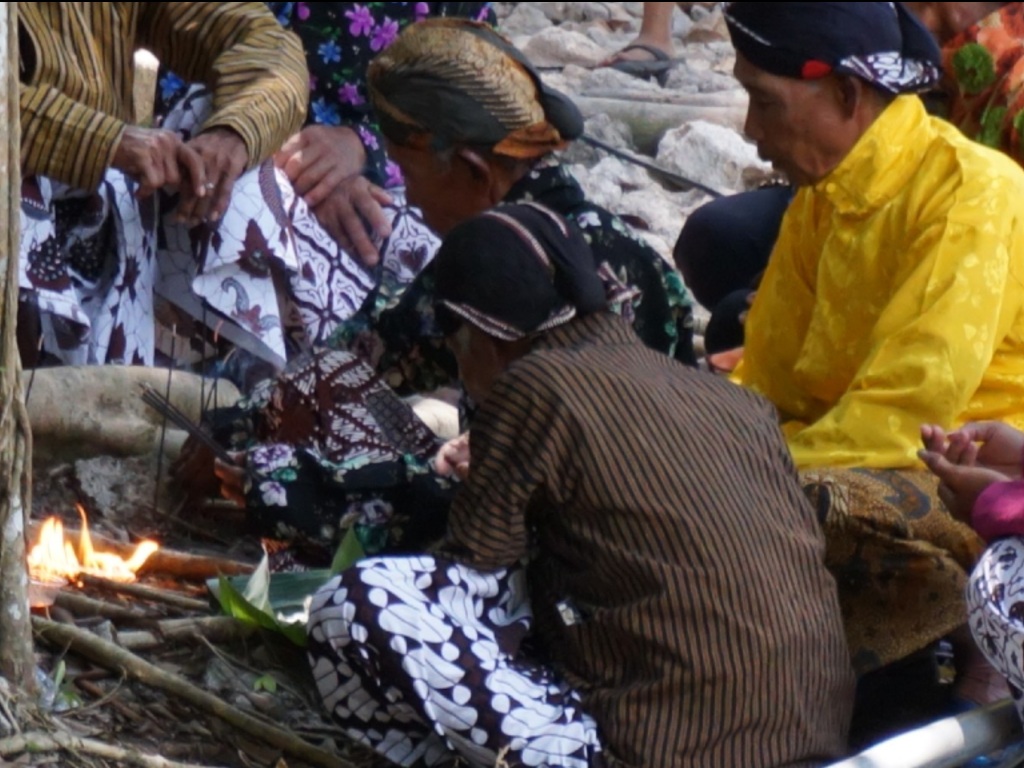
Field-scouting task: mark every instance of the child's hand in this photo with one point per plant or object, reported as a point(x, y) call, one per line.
point(961, 484)
point(453, 458)
point(232, 479)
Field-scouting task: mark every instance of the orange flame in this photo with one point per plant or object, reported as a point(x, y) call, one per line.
point(53, 558)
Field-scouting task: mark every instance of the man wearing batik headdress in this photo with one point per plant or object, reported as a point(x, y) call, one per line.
point(983, 54)
point(678, 607)
point(894, 297)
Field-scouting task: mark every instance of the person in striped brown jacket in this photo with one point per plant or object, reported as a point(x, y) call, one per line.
point(90, 212)
point(641, 521)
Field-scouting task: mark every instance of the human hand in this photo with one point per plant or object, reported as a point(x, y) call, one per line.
point(990, 444)
point(354, 211)
point(224, 157)
point(453, 458)
point(318, 158)
point(961, 484)
point(156, 158)
point(232, 479)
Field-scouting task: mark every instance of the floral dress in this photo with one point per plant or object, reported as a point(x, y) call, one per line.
point(985, 71)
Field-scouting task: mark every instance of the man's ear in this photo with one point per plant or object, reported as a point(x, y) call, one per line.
point(479, 168)
point(850, 92)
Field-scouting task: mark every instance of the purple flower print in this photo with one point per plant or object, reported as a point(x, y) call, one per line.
point(349, 94)
point(368, 139)
point(361, 21)
point(302, 11)
point(384, 35)
point(422, 10)
point(394, 175)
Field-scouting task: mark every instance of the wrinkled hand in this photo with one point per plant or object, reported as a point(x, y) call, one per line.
point(453, 458)
point(224, 157)
point(990, 445)
point(961, 484)
point(325, 165)
point(320, 157)
point(232, 479)
point(353, 215)
point(156, 158)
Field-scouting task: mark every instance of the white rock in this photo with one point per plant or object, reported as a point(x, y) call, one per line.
point(525, 19)
point(682, 25)
point(555, 47)
point(614, 132)
point(709, 153)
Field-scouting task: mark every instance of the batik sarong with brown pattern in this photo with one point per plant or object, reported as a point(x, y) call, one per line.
point(900, 560)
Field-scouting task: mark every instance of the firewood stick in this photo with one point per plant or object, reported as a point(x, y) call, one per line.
point(101, 652)
point(35, 743)
point(166, 597)
point(84, 607)
point(216, 629)
point(180, 565)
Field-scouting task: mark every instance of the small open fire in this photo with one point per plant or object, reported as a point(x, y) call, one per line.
point(55, 559)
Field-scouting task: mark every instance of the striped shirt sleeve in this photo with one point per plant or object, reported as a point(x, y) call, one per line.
point(255, 68)
point(518, 441)
point(64, 139)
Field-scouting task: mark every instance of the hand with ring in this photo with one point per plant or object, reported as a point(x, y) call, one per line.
point(224, 156)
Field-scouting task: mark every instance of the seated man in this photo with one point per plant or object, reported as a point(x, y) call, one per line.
point(673, 580)
point(88, 262)
point(894, 297)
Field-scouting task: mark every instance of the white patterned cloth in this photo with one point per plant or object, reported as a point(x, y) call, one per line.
point(995, 606)
point(267, 277)
point(419, 658)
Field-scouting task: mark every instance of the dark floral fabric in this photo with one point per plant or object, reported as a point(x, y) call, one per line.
point(398, 503)
point(397, 333)
point(985, 80)
point(340, 40)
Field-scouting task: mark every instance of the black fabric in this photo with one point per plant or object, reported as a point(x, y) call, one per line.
point(491, 263)
point(810, 40)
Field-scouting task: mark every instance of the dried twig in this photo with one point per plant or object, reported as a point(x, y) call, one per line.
point(35, 743)
point(111, 656)
point(87, 608)
point(215, 629)
point(153, 595)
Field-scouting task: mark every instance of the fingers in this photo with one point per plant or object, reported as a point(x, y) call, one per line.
point(195, 171)
point(232, 478)
point(289, 149)
point(959, 447)
point(326, 186)
point(934, 438)
point(940, 466)
point(373, 214)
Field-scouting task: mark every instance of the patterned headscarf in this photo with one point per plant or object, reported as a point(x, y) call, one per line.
point(460, 82)
point(516, 271)
point(882, 43)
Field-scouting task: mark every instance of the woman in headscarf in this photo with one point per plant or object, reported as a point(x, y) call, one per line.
point(679, 610)
point(471, 125)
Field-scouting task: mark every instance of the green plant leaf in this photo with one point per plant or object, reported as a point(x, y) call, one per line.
point(266, 683)
point(350, 552)
point(234, 604)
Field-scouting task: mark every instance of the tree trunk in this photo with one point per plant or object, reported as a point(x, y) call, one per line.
point(16, 661)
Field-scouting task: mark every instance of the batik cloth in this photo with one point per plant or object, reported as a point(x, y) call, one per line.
point(899, 558)
point(894, 297)
point(94, 310)
point(985, 77)
point(881, 43)
point(421, 660)
point(341, 39)
point(995, 604)
point(267, 275)
point(332, 448)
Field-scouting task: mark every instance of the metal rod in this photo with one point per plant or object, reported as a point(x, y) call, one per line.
point(629, 157)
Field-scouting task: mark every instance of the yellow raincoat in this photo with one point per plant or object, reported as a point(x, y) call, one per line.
point(894, 297)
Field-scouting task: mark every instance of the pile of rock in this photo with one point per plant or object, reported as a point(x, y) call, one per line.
point(691, 126)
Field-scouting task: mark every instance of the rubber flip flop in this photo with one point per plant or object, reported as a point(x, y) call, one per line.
point(656, 69)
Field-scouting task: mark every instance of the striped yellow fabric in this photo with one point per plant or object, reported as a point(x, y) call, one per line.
point(77, 63)
point(676, 569)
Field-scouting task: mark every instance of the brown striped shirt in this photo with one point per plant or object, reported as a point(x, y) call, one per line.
point(676, 569)
point(78, 72)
